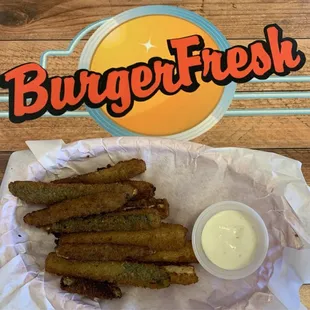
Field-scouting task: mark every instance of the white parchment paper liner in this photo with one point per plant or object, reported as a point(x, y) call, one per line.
point(191, 177)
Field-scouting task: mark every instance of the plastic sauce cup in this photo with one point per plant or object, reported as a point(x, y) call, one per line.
point(261, 234)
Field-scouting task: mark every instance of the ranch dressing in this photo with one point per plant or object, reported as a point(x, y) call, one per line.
point(229, 240)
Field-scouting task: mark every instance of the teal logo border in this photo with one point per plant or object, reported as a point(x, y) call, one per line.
point(91, 45)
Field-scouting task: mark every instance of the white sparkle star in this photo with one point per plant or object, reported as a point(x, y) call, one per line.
point(148, 45)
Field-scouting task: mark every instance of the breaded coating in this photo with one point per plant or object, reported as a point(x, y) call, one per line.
point(143, 275)
point(78, 207)
point(184, 275)
point(102, 252)
point(122, 171)
point(90, 288)
point(161, 205)
point(114, 252)
point(183, 255)
point(116, 221)
point(145, 189)
point(48, 193)
point(166, 237)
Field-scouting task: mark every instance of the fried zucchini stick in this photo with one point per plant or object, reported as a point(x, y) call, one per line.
point(143, 275)
point(123, 170)
point(184, 275)
point(166, 237)
point(78, 207)
point(145, 189)
point(48, 193)
point(117, 221)
point(114, 252)
point(90, 288)
point(102, 252)
point(161, 205)
point(183, 255)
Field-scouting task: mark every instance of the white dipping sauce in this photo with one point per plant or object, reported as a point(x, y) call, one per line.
point(229, 240)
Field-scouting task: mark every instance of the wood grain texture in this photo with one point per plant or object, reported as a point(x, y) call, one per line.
point(236, 104)
point(15, 53)
point(251, 132)
point(260, 132)
point(57, 19)
point(4, 157)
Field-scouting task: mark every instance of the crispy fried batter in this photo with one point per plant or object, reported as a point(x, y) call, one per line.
point(184, 275)
point(47, 193)
point(123, 170)
point(78, 207)
point(166, 237)
point(90, 288)
point(114, 252)
point(116, 221)
point(102, 252)
point(161, 205)
point(183, 255)
point(145, 189)
point(143, 275)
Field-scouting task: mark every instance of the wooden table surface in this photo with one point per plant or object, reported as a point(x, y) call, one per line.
point(29, 27)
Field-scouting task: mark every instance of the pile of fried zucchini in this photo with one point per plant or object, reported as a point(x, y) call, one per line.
point(109, 232)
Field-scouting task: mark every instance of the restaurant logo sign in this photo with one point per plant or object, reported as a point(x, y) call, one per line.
point(154, 70)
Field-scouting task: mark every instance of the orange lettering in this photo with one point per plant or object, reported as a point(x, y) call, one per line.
point(95, 82)
point(187, 64)
point(283, 51)
point(118, 88)
point(213, 65)
point(260, 61)
point(170, 83)
point(26, 81)
point(141, 81)
point(237, 60)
